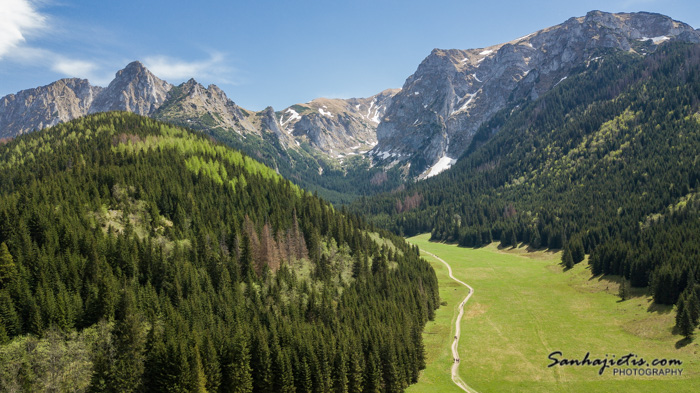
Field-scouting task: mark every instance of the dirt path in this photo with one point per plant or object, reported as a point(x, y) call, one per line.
point(455, 366)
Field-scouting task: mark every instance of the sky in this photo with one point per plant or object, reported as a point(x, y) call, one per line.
point(270, 53)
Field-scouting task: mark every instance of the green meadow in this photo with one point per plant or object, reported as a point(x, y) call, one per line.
point(526, 307)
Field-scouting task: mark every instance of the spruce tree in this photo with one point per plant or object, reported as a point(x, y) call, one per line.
point(129, 345)
point(577, 252)
point(9, 319)
point(686, 326)
point(7, 266)
point(513, 239)
point(566, 259)
point(624, 291)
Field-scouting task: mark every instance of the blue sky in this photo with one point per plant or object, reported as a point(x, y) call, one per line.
point(263, 52)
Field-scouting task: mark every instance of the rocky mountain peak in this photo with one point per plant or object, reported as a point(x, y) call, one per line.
point(45, 106)
point(133, 68)
point(134, 89)
point(337, 127)
point(433, 119)
point(191, 104)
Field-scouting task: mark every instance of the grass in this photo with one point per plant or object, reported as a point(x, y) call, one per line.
point(525, 307)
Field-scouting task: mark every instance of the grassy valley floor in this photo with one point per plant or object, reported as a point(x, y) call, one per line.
point(525, 307)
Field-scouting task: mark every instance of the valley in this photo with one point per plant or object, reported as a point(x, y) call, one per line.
point(518, 217)
point(525, 307)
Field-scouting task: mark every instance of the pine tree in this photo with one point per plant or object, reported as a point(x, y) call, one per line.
point(566, 259)
point(513, 239)
point(686, 324)
point(624, 291)
point(356, 265)
point(212, 368)
point(7, 266)
point(129, 343)
point(9, 319)
point(246, 260)
point(261, 362)
point(282, 370)
point(688, 301)
point(197, 381)
point(238, 375)
point(577, 252)
point(4, 338)
point(535, 239)
point(340, 372)
point(373, 379)
point(356, 372)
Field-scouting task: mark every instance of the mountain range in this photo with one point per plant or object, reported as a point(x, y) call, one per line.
point(336, 127)
point(420, 129)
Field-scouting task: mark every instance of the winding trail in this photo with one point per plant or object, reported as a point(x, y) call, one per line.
point(455, 365)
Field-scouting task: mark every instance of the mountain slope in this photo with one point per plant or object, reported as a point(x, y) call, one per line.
point(599, 164)
point(338, 127)
point(322, 148)
point(193, 105)
point(134, 89)
point(453, 92)
point(34, 109)
point(165, 261)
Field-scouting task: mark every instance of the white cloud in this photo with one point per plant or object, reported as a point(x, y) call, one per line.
point(17, 19)
point(213, 68)
point(61, 64)
point(20, 19)
point(75, 68)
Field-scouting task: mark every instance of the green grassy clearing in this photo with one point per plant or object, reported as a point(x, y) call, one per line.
point(525, 307)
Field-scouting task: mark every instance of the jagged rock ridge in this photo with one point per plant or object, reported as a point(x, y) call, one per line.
point(45, 106)
point(134, 89)
point(337, 127)
point(431, 121)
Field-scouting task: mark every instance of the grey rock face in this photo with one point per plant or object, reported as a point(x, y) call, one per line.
point(191, 104)
point(333, 126)
point(337, 127)
point(453, 92)
point(134, 89)
point(45, 106)
point(268, 123)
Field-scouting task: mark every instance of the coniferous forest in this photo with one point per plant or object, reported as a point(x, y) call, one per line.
point(138, 256)
point(605, 164)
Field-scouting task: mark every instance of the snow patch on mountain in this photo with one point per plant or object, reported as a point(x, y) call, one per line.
point(656, 40)
point(466, 104)
point(560, 81)
point(293, 116)
point(443, 164)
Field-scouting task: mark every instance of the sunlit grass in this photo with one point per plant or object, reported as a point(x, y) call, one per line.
point(526, 307)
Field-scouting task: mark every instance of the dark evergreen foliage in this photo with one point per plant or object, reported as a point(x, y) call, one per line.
point(198, 258)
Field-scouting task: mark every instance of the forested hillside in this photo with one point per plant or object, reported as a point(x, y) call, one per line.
point(137, 256)
point(606, 163)
point(339, 184)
